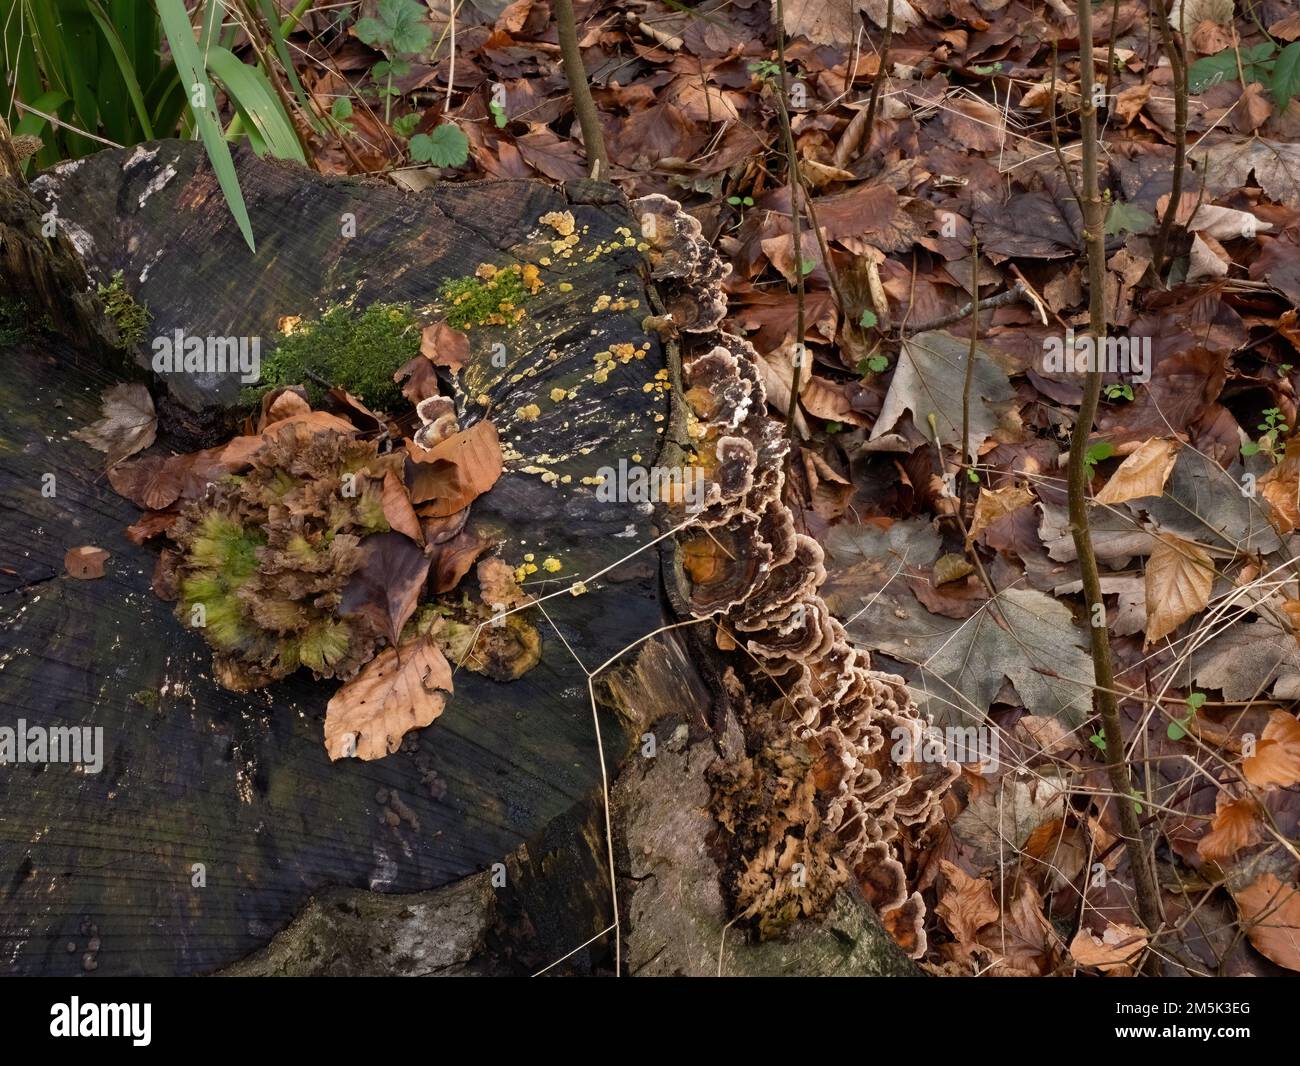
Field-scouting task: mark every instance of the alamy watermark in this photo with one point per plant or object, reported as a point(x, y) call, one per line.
point(181, 354)
point(631, 483)
point(1112, 355)
point(33, 745)
point(943, 744)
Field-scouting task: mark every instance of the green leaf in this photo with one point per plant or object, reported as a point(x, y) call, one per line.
point(807, 266)
point(498, 114)
point(404, 125)
point(877, 364)
point(834, 427)
point(1211, 71)
point(1126, 218)
point(1286, 75)
point(1098, 452)
point(189, 65)
point(341, 108)
point(256, 101)
point(1196, 700)
point(372, 32)
point(868, 318)
point(446, 146)
point(408, 32)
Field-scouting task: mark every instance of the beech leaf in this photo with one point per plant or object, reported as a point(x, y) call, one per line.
point(1143, 473)
point(400, 689)
point(128, 423)
point(1179, 577)
point(387, 587)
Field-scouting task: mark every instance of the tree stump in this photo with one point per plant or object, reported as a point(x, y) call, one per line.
point(217, 816)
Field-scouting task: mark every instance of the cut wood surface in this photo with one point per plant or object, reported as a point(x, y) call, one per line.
point(237, 791)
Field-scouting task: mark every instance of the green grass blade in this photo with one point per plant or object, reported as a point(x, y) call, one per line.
point(125, 69)
point(189, 64)
point(255, 100)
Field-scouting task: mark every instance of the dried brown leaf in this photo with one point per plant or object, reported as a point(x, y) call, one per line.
point(400, 689)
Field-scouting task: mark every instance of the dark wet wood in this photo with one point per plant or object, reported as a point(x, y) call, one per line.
point(242, 784)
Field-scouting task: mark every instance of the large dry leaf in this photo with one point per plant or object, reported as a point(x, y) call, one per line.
point(929, 382)
point(966, 906)
point(387, 587)
point(1143, 473)
point(837, 22)
point(998, 821)
point(1270, 913)
point(456, 471)
point(1235, 826)
point(1115, 953)
point(997, 503)
point(1276, 165)
point(958, 667)
point(1276, 762)
point(128, 423)
point(1247, 660)
point(1179, 577)
point(400, 689)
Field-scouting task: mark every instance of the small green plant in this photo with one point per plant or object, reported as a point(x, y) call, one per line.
point(1278, 71)
point(873, 364)
point(1271, 431)
point(444, 146)
point(833, 427)
point(1120, 390)
point(741, 202)
point(807, 266)
point(766, 70)
point(868, 319)
point(988, 68)
point(1095, 454)
point(359, 352)
point(498, 112)
point(1178, 730)
point(132, 319)
point(1098, 740)
point(399, 30)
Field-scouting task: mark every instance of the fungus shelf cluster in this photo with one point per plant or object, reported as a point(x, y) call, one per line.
point(817, 799)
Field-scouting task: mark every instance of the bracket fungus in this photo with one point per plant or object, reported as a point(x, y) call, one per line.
point(816, 799)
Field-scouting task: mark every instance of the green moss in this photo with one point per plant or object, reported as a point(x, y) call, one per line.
point(132, 319)
point(359, 352)
point(495, 300)
point(13, 322)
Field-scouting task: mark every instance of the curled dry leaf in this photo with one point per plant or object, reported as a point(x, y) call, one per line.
point(1276, 762)
point(456, 471)
point(1143, 473)
point(85, 563)
point(1115, 953)
point(387, 587)
point(400, 689)
point(398, 510)
point(1280, 486)
point(128, 423)
point(966, 906)
point(282, 403)
point(1235, 826)
point(1179, 578)
point(1270, 913)
point(995, 503)
point(444, 346)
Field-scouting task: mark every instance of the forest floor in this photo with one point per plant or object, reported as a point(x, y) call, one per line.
point(938, 166)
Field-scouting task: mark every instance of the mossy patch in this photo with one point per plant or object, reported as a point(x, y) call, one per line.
point(131, 318)
point(13, 322)
point(491, 297)
point(358, 351)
